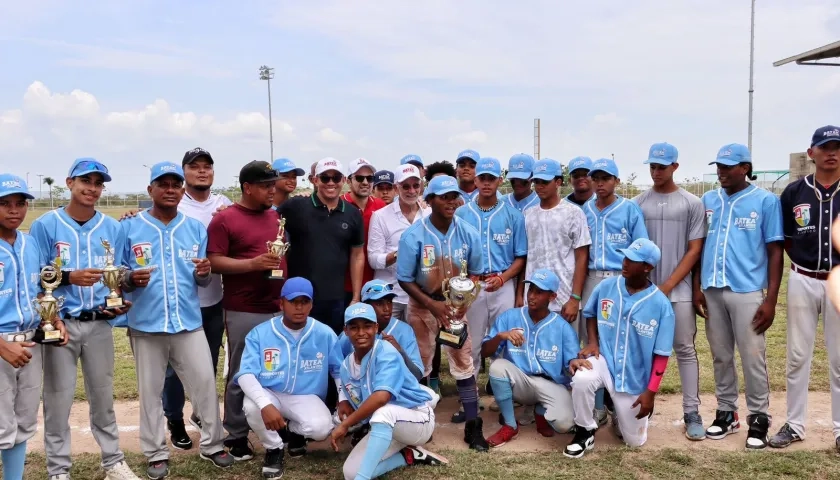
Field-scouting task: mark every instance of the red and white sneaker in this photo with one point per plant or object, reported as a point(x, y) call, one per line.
point(503, 436)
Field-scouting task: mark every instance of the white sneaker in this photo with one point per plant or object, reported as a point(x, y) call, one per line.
point(120, 471)
point(63, 476)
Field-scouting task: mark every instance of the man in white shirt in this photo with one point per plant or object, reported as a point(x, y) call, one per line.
point(386, 227)
point(198, 203)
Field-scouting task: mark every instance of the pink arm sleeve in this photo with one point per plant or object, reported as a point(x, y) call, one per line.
point(658, 371)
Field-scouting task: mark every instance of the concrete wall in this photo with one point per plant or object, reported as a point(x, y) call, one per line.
point(800, 166)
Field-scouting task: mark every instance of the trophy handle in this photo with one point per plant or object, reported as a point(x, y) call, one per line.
point(445, 290)
point(477, 288)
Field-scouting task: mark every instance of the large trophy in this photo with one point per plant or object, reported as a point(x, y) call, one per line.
point(278, 247)
point(112, 277)
point(460, 292)
point(47, 307)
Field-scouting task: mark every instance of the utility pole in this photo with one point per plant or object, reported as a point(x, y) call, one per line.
point(267, 73)
point(40, 186)
point(536, 139)
point(752, 70)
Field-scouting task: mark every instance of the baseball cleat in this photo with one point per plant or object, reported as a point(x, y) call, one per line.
point(757, 433)
point(784, 438)
point(421, 456)
point(503, 436)
point(584, 440)
point(474, 435)
point(724, 424)
point(694, 426)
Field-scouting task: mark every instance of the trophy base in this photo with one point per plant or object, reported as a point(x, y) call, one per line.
point(276, 275)
point(449, 339)
point(47, 337)
point(114, 303)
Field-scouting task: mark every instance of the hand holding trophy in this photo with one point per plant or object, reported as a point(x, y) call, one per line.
point(278, 248)
point(460, 292)
point(112, 277)
point(48, 306)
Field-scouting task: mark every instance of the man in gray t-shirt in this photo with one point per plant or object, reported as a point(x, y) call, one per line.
point(675, 222)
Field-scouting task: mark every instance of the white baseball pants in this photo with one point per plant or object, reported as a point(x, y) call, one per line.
point(307, 415)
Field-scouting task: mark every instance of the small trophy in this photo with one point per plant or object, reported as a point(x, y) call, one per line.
point(278, 247)
point(47, 306)
point(112, 277)
point(460, 292)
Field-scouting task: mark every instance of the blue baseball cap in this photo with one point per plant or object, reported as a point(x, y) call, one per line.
point(441, 185)
point(412, 159)
point(284, 165)
point(12, 184)
point(468, 155)
point(547, 169)
point(643, 250)
point(296, 287)
point(85, 166)
point(166, 168)
point(605, 165)
point(733, 154)
point(359, 310)
point(377, 290)
point(580, 163)
point(520, 166)
point(489, 166)
point(662, 154)
point(383, 176)
point(545, 279)
point(823, 135)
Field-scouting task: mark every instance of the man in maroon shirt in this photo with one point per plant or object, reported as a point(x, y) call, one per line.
point(236, 247)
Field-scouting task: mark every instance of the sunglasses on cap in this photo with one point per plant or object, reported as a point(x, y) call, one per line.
point(362, 178)
point(379, 288)
point(90, 166)
point(325, 178)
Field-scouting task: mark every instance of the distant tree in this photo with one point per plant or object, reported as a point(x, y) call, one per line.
point(49, 181)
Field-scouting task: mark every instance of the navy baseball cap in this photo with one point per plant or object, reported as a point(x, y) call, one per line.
point(580, 163)
point(733, 154)
point(441, 185)
point(284, 165)
point(194, 154)
point(468, 155)
point(377, 290)
point(545, 279)
point(662, 154)
point(605, 165)
point(643, 250)
point(12, 184)
point(383, 176)
point(547, 169)
point(412, 159)
point(296, 287)
point(520, 166)
point(489, 166)
point(823, 135)
point(359, 310)
point(166, 168)
point(86, 166)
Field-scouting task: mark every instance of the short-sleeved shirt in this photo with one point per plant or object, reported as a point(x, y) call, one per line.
point(20, 283)
point(672, 220)
point(553, 236)
point(740, 227)
point(321, 241)
point(373, 204)
point(612, 229)
point(631, 330)
point(531, 200)
point(204, 213)
point(241, 233)
point(402, 333)
point(806, 220)
point(502, 232)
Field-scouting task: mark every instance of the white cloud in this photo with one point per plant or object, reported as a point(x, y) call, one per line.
point(329, 135)
point(469, 138)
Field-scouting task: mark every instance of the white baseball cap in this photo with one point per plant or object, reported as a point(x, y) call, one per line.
point(359, 164)
point(327, 164)
point(407, 171)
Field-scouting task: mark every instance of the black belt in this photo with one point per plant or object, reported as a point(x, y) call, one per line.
point(437, 297)
point(87, 316)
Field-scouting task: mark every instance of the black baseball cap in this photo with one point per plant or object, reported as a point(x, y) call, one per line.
point(823, 135)
point(194, 154)
point(383, 176)
point(257, 171)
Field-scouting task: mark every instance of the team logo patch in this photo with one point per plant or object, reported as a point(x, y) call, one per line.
point(606, 308)
point(802, 214)
point(428, 255)
point(2, 274)
point(709, 214)
point(62, 251)
point(271, 359)
point(142, 253)
point(354, 392)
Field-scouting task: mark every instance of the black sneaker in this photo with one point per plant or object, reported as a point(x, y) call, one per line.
point(297, 445)
point(220, 459)
point(421, 456)
point(460, 416)
point(274, 464)
point(158, 470)
point(195, 422)
point(784, 438)
point(178, 435)
point(724, 424)
point(240, 449)
point(473, 431)
point(757, 434)
point(583, 440)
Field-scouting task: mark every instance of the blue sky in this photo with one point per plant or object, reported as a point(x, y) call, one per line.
point(134, 83)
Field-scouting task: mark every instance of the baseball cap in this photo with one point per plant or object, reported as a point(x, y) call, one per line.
point(377, 290)
point(383, 176)
point(296, 287)
point(547, 169)
point(407, 171)
point(823, 135)
point(520, 166)
point(85, 166)
point(642, 250)
point(580, 163)
point(605, 165)
point(412, 159)
point(545, 279)
point(488, 166)
point(359, 164)
point(194, 154)
point(327, 164)
point(468, 155)
point(284, 165)
point(359, 310)
point(12, 184)
point(441, 185)
point(662, 154)
point(166, 168)
point(733, 154)
point(257, 171)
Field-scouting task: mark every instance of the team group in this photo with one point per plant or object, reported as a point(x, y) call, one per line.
point(583, 299)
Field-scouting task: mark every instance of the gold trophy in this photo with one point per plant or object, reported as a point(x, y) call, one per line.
point(460, 292)
point(112, 277)
point(47, 307)
point(278, 247)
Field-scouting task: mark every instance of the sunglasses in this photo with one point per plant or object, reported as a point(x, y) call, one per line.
point(412, 186)
point(362, 178)
point(89, 166)
point(336, 178)
point(379, 288)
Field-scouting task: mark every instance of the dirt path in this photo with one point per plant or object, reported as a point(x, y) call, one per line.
point(666, 427)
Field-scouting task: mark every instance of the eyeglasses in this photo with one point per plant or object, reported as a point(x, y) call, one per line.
point(336, 178)
point(379, 288)
point(412, 186)
point(90, 166)
point(362, 178)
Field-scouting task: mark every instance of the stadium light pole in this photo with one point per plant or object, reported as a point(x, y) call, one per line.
point(752, 71)
point(40, 186)
point(267, 73)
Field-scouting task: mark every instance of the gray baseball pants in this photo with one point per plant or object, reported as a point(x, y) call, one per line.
point(685, 331)
point(483, 313)
point(593, 278)
point(399, 312)
point(532, 389)
point(20, 394)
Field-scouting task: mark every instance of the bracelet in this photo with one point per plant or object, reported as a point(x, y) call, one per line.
point(576, 296)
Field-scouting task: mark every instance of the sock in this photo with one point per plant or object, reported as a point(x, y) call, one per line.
point(469, 397)
point(434, 384)
point(393, 462)
point(13, 461)
point(503, 393)
point(599, 399)
point(379, 439)
point(539, 410)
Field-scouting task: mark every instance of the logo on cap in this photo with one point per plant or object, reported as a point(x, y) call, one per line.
point(407, 170)
point(659, 153)
point(832, 133)
point(197, 150)
point(447, 183)
point(519, 165)
point(358, 311)
point(725, 153)
point(542, 168)
point(540, 276)
point(384, 176)
point(599, 165)
point(330, 164)
point(168, 168)
point(636, 246)
point(12, 184)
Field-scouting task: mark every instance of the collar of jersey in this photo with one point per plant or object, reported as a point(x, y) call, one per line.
point(280, 330)
point(750, 188)
point(622, 289)
point(433, 229)
point(94, 220)
point(365, 365)
point(619, 201)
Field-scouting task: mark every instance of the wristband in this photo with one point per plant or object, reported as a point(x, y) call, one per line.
point(576, 296)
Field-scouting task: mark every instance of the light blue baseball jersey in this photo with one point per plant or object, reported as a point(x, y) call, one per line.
point(549, 345)
point(20, 283)
point(382, 370)
point(284, 364)
point(740, 226)
point(169, 303)
point(531, 200)
point(612, 229)
point(631, 330)
point(469, 197)
point(402, 333)
point(502, 233)
point(428, 257)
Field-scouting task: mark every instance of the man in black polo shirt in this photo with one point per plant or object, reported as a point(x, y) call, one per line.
point(326, 235)
point(808, 209)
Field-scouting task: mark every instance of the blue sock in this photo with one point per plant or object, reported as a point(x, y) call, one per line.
point(599, 399)
point(469, 397)
point(504, 398)
point(13, 461)
point(538, 409)
point(379, 439)
point(393, 462)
